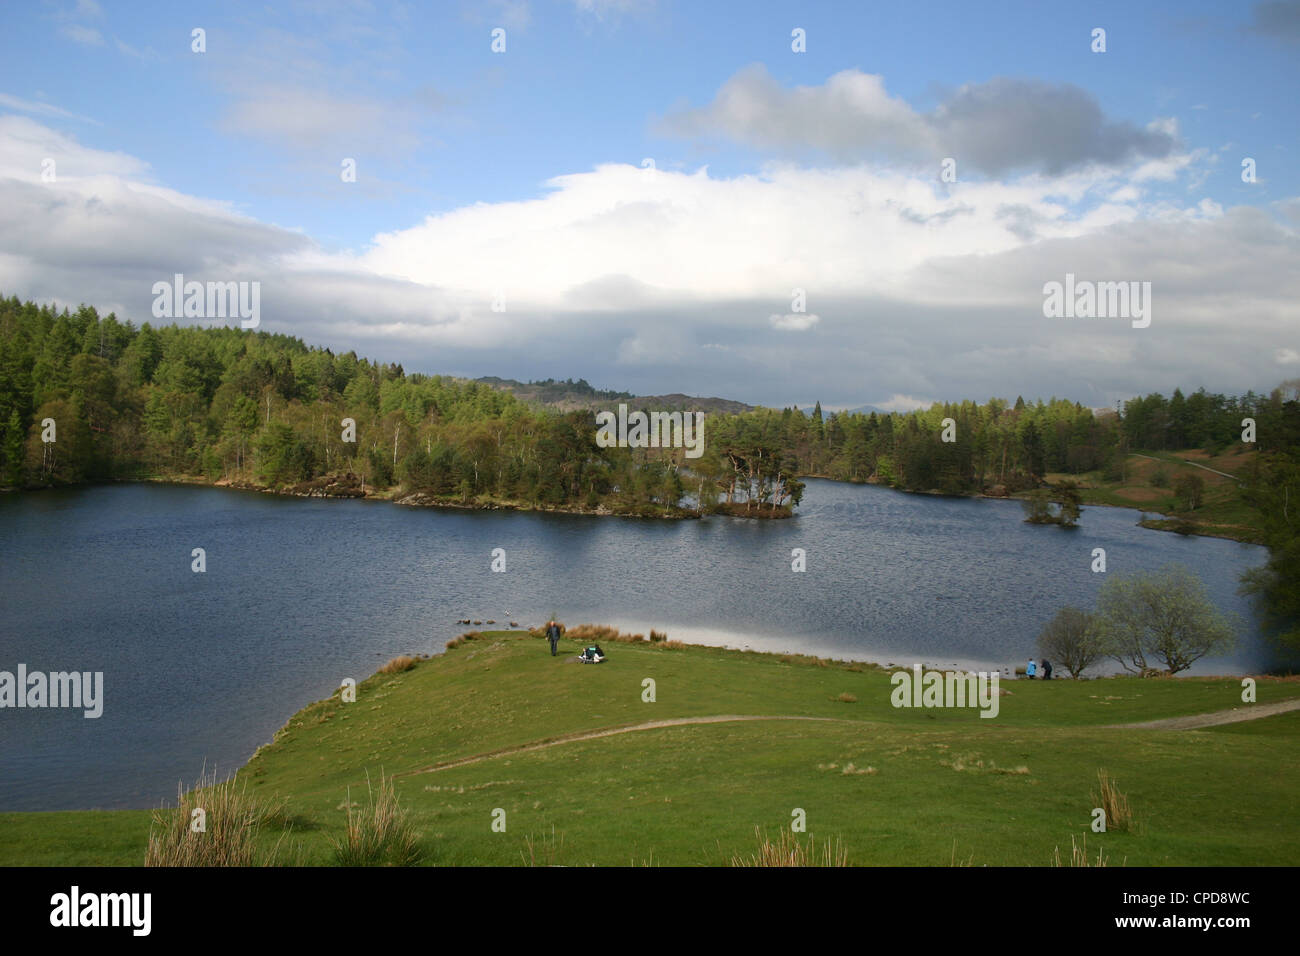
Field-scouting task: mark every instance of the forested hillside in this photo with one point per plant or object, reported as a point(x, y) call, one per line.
point(227, 404)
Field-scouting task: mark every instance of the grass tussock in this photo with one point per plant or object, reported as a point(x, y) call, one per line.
point(1119, 815)
point(398, 664)
point(1079, 855)
point(465, 638)
point(231, 823)
point(846, 698)
point(545, 851)
point(380, 833)
point(789, 850)
point(600, 633)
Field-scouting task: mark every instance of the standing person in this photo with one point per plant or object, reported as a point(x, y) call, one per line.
point(1029, 669)
point(1046, 668)
point(553, 635)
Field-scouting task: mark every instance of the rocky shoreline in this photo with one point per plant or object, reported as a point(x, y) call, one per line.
point(352, 486)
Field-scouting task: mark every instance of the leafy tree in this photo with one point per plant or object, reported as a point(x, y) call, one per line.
point(1164, 617)
point(1276, 585)
point(1189, 489)
point(282, 456)
point(13, 451)
point(1071, 502)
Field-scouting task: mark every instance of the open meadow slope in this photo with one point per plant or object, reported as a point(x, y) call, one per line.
point(497, 724)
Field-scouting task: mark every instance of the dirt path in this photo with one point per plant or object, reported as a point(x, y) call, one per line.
point(609, 732)
point(1187, 461)
point(1192, 722)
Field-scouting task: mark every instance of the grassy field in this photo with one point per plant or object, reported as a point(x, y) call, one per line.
point(1222, 513)
point(928, 787)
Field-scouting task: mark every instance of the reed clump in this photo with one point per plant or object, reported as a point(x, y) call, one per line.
point(789, 850)
point(380, 833)
point(215, 824)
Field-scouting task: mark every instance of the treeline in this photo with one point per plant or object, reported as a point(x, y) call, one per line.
point(1011, 447)
point(1269, 482)
point(226, 404)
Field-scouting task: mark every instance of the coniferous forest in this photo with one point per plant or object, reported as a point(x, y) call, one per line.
point(262, 410)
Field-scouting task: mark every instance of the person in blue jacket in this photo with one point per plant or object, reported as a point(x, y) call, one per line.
point(1030, 668)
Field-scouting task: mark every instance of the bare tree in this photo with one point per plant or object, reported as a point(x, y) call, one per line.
point(1190, 489)
point(1073, 639)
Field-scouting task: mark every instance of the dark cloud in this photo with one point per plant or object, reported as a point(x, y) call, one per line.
point(1279, 19)
point(1008, 124)
point(1004, 125)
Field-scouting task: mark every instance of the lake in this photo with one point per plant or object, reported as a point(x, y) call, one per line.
point(301, 593)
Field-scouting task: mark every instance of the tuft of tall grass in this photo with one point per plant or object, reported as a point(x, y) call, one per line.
point(544, 852)
point(456, 642)
point(1078, 855)
point(380, 833)
point(1119, 815)
point(789, 850)
point(232, 822)
point(398, 664)
point(600, 634)
point(955, 861)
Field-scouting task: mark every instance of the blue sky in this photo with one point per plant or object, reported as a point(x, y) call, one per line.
point(228, 161)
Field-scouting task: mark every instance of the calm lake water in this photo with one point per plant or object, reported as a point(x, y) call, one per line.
point(300, 593)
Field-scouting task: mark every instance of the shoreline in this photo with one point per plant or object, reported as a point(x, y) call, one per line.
point(1176, 524)
point(1165, 522)
point(420, 499)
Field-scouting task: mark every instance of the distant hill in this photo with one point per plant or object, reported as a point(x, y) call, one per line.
point(860, 410)
point(867, 410)
point(569, 395)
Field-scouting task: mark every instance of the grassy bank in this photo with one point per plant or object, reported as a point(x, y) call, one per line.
point(1147, 485)
point(897, 786)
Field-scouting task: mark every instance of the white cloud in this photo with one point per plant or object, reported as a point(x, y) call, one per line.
point(41, 108)
point(86, 36)
point(921, 289)
point(794, 321)
point(903, 403)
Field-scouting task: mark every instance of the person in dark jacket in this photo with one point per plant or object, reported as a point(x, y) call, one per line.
point(553, 635)
point(1046, 667)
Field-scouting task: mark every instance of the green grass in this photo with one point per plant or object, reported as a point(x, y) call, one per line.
point(1222, 513)
point(1007, 790)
